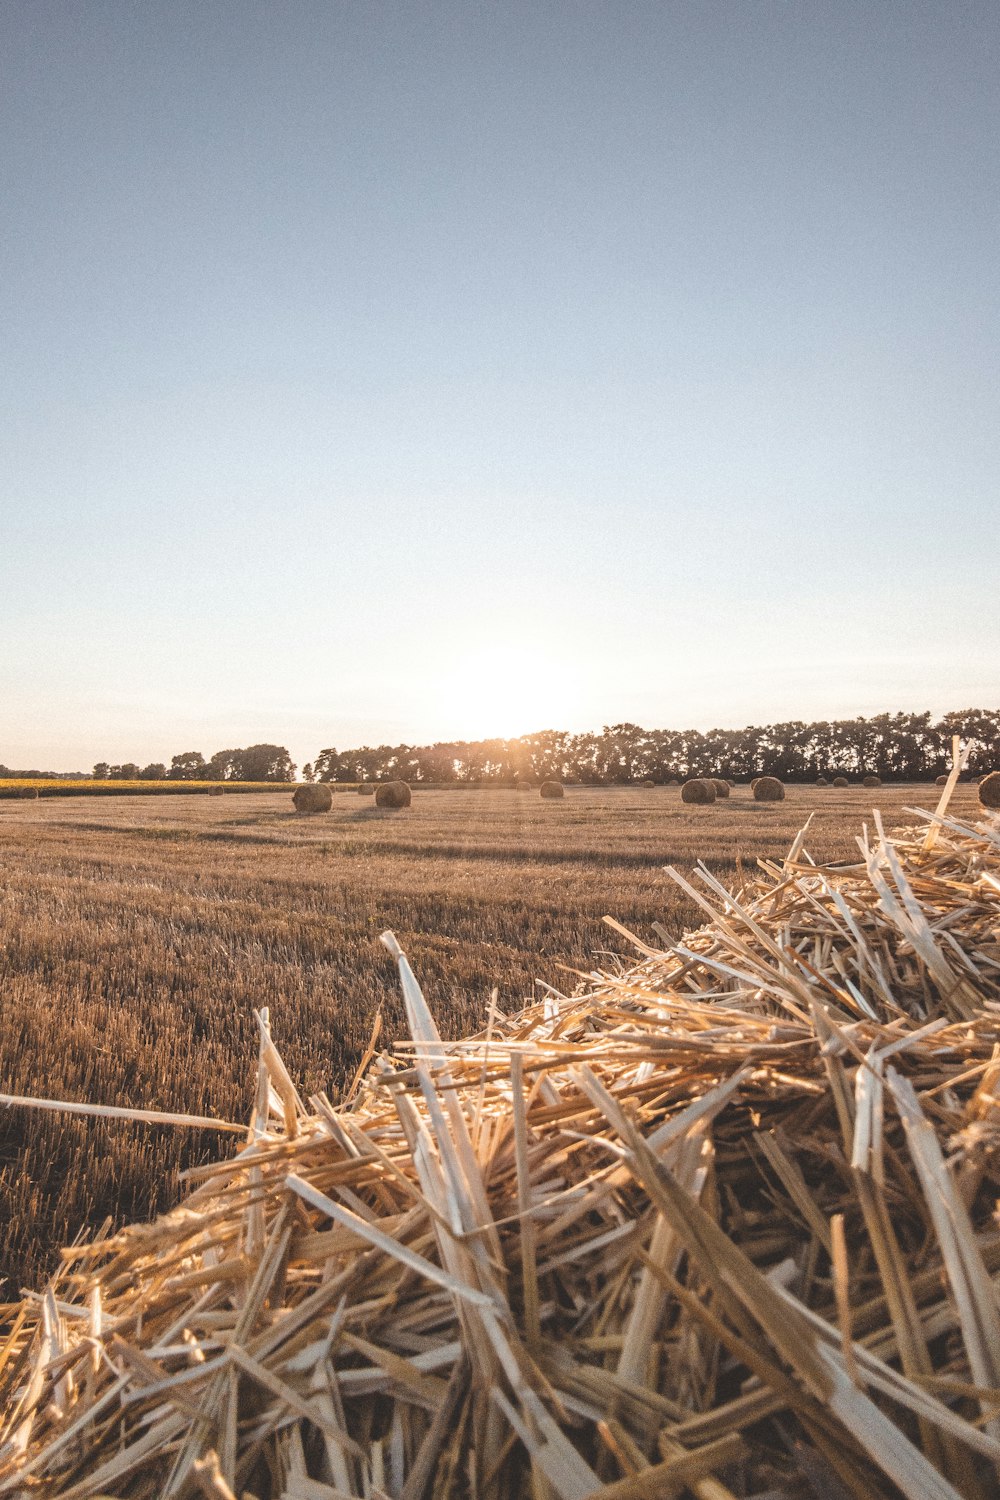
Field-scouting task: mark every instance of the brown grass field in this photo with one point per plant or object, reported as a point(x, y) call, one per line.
point(138, 935)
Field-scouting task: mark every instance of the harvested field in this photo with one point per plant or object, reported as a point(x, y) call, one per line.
point(137, 935)
point(692, 1226)
point(86, 786)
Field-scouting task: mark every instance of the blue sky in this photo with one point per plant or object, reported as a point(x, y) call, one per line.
point(402, 371)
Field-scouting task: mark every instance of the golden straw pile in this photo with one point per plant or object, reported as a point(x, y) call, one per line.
point(721, 1226)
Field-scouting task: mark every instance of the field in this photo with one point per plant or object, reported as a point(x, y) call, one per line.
point(137, 936)
point(86, 786)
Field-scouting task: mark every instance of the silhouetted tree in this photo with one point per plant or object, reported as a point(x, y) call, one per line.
point(220, 765)
point(262, 763)
point(981, 727)
point(189, 766)
point(127, 772)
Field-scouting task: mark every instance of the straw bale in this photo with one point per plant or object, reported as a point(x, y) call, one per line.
point(649, 783)
point(312, 797)
point(216, 791)
point(841, 781)
point(724, 1220)
point(822, 781)
point(698, 790)
point(768, 789)
point(26, 793)
point(551, 789)
point(366, 789)
point(989, 790)
point(393, 794)
point(721, 787)
point(871, 781)
point(940, 781)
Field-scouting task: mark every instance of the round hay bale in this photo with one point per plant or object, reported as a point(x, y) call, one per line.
point(524, 784)
point(941, 781)
point(753, 782)
point(768, 789)
point(649, 783)
point(392, 794)
point(822, 781)
point(217, 791)
point(721, 787)
point(551, 789)
point(673, 781)
point(872, 781)
point(730, 783)
point(26, 791)
point(699, 790)
point(366, 789)
point(841, 781)
point(312, 796)
point(989, 790)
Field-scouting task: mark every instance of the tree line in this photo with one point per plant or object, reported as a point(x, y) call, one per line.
point(896, 747)
point(254, 763)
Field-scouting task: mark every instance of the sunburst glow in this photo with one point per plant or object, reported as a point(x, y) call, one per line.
point(505, 691)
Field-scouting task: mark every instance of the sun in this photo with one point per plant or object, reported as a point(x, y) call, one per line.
point(501, 692)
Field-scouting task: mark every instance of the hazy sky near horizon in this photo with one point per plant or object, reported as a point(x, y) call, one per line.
point(403, 371)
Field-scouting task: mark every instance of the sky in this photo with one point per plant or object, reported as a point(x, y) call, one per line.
point(380, 372)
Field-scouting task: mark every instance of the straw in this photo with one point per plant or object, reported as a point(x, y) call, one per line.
point(721, 1225)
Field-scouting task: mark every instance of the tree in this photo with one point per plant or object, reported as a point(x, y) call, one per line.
point(262, 763)
point(307, 772)
point(327, 766)
point(979, 727)
point(220, 767)
point(155, 771)
point(189, 766)
point(101, 771)
point(436, 763)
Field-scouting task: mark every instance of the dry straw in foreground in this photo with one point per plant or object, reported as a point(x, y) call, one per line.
point(723, 1221)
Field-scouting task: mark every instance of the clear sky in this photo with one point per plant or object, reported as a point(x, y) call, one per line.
point(397, 371)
